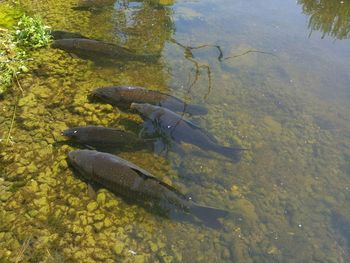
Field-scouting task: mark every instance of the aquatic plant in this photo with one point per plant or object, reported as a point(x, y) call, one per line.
point(11, 60)
point(31, 33)
point(8, 15)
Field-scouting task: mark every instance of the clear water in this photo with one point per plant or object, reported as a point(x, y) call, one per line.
point(280, 89)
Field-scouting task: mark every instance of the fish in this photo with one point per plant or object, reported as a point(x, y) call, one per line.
point(61, 34)
point(127, 180)
point(97, 49)
point(104, 138)
point(178, 129)
point(123, 96)
point(85, 5)
point(341, 224)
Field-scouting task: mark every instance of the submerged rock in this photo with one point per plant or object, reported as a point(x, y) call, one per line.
point(273, 125)
point(92, 206)
point(118, 247)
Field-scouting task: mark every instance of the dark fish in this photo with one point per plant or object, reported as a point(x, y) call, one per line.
point(103, 138)
point(95, 49)
point(93, 4)
point(60, 34)
point(123, 96)
point(179, 130)
point(128, 180)
point(341, 224)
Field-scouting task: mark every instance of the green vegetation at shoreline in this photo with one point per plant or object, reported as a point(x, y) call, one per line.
point(15, 46)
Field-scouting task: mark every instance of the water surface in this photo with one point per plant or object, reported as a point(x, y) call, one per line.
point(277, 85)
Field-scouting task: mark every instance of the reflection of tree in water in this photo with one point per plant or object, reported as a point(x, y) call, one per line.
point(329, 16)
point(148, 25)
point(143, 24)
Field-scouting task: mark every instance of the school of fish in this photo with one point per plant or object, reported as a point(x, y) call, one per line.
point(162, 113)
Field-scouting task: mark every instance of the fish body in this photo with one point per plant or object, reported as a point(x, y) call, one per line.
point(123, 96)
point(180, 130)
point(102, 137)
point(128, 180)
point(91, 48)
point(61, 34)
point(93, 4)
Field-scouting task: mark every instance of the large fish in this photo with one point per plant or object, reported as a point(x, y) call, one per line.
point(178, 129)
point(123, 96)
point(61, 34)
point(96, 49)
point(93, 4)
point(130, 181)
point(103, 138)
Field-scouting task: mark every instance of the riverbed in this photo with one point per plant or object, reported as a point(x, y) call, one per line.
point(274, 77)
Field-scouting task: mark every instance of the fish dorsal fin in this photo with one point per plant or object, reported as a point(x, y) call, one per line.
point(90, 147)
point(151, 177)
point(147, 176)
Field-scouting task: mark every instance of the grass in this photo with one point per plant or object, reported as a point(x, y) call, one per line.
point(21, 252)
point(15, 46)
point(31, 33)
point(8, 138)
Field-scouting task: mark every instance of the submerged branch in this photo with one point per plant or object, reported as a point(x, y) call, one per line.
point(18, 84)
point(190, 57)
point(23, 249)
point(250, 51)
point(8, 138)
point(189, 48)
point(11, 126)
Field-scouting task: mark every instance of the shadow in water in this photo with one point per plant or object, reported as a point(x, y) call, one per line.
point(341, 224)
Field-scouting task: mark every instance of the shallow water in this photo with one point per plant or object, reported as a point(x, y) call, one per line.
point(280, 89)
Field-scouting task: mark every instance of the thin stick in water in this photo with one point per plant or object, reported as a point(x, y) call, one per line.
point(12, 122)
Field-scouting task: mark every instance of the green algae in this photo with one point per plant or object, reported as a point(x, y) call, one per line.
point(28, 33)
point(8, 15)
point(92, 206)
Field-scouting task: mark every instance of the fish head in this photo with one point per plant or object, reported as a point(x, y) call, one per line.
point(107, 94)
point(74, 133)
point(83, 162)
point(145, 109)
point(55, 44)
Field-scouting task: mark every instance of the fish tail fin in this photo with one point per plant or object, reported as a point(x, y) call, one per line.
point(230, 152)
point(148, 144)
point(208, 215)
point(150, 57)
